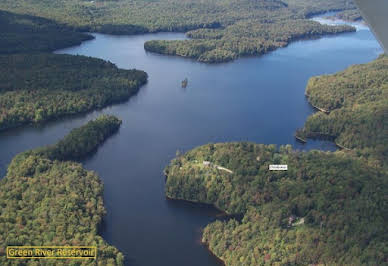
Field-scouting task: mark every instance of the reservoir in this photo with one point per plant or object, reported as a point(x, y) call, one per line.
point(259, 99)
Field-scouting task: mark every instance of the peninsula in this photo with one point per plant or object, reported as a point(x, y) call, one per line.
point(356, 105)
point(58, 202)
point(220, 30)
point(300, 216)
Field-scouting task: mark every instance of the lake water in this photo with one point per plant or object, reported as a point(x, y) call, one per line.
point(258, 99)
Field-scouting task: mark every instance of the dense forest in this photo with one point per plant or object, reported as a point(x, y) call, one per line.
point(40, 87)
point(46, 201)
point(24, 33)
point(355, 105)
point(43, 199)
point(223, 29)
point(81, 141)
point(250, 37)
point(269, 25)
point(328, 208)
point(138, 16)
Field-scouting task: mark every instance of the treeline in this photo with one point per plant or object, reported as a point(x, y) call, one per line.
point(81, 141)
point(45, 201)
point(166, 15)
point(37, 87)
point(242, 27)
point(357, 102)
point(40, 87)
point(249, 37)
point(328, 208)
point(24, 33)
point(315, 7)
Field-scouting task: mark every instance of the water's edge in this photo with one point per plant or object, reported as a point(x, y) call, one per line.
point(226, 102)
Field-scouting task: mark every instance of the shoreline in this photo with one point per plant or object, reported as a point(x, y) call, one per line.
point(222, 212)
point(342, 147)
point(219, 259)
point(169, 198)
point(316, 107)
point(321, 136)
point(302, 140)
point(253, 55)
point(320, 109)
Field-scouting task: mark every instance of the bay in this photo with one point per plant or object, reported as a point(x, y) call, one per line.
point(259, 99)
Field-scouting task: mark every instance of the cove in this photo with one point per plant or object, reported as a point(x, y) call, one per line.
point(259, 99)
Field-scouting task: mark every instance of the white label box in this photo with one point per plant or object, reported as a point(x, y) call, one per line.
point(278, 167)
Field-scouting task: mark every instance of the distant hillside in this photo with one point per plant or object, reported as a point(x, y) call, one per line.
point(223, 29)
point(24, 33)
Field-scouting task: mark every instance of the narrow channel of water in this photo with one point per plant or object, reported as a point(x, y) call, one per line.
point(257, 99)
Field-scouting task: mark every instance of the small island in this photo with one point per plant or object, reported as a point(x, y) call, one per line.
point(184, 83)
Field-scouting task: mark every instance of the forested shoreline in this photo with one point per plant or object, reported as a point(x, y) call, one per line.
point(328, 208)
point(82, 141)
point(248, 38)
point(269, 25)
point(29, 34)
point(35, 88)
point(356, 101)
point(139, 16)
point(221, 30)
point(46, 200)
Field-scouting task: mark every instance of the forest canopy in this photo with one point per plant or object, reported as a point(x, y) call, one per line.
point(81, 141)
point(136, 16)
point(24, 33)
point(40, 87)
point(45, 201)
point(355, 102)
point(246, 28)
point(222, 29)
point(328, 208)
point(244, 38)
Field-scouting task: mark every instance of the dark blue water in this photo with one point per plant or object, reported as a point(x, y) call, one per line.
point(255, 99)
